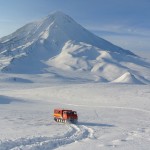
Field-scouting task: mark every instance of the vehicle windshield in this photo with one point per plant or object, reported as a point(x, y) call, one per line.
point(70, 112)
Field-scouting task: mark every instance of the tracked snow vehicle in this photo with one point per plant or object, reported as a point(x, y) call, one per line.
point(64, 116)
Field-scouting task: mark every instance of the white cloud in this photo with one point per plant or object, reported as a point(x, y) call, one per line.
point(137, 44)
point(119, 29)
point(129, 37)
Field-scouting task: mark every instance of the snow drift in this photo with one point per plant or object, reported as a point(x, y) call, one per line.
point(8, 100)
point(127, 78)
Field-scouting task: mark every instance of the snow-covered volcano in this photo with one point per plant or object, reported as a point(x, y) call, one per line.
point(59, 45)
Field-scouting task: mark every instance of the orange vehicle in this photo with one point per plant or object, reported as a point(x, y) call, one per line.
point(64, 115)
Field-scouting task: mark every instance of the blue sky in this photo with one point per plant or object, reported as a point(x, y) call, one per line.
point(124, 22)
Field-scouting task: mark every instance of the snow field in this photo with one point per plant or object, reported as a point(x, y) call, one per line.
point(107, 120)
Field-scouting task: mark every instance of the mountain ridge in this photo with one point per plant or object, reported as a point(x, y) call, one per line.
point(60, 20)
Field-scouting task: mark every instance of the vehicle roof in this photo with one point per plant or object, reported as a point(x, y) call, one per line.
point(63, 109)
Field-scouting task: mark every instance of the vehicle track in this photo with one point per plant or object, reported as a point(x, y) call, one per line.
point(112, 107)
point(76, 133)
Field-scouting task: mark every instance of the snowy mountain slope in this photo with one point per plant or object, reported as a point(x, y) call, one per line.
point(103, 64)
point(59, 45)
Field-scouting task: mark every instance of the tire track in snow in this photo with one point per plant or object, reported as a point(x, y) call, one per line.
point(77, 133)
point(112, 107)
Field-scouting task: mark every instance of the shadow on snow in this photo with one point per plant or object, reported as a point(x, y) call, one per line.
point(95, 124)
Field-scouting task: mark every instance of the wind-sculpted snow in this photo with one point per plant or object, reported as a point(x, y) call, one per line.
point(77, 133)
point(8, 100)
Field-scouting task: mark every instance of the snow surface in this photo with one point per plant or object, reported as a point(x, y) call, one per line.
point(111, 116)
